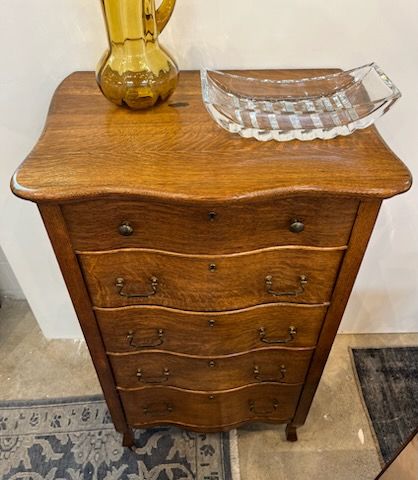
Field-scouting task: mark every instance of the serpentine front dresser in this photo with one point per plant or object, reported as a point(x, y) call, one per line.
point(209, 273)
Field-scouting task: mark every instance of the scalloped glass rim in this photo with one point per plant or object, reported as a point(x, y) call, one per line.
point(304, 109)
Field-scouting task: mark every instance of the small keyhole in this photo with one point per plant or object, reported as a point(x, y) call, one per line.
point(212, 267)
point(212, 216)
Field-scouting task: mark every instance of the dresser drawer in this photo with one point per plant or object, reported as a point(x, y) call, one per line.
point(134, 371)
point(106, 225)
point(141, 328)
point(210, 283)
point(207, 410)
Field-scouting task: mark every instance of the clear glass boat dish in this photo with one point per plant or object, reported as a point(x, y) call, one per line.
point(316, 107)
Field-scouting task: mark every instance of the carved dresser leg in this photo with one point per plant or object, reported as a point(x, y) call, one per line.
point(291, 434)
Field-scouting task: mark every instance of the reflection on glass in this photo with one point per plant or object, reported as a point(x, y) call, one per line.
point(136, 71)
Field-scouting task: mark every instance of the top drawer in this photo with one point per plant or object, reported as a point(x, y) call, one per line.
point(106, 225)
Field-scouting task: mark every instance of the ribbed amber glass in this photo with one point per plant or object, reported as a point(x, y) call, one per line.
point(136, 71)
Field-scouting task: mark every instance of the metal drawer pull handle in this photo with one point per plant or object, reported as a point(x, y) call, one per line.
point(120, 285)
point(290, 338)
point(150, 344)
point(162, 379)
point(253, 409)
point(303, 280)
point(153, 409)
point(126, 229)
point(258, 377)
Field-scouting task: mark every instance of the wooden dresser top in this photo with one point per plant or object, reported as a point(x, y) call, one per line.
point(91, 148)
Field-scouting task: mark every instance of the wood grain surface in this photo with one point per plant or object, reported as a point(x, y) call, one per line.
point(220, 229)
point(203, 333)
point(91, 148)
point(186, 282)
point(55, 226)
point(209, 411)
point(210, 214)
point(277, 365)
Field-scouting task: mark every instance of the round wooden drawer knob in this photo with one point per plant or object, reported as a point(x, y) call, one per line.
point(125, 229)
point(296, 226)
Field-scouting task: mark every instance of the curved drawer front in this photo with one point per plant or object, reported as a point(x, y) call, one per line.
point(138, 329)
point(135, 371)
point(131, 277)
point(207, 410)
point(107, 225)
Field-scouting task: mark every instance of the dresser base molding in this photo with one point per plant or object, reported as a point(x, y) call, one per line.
point(128, 438)
point(212, 428)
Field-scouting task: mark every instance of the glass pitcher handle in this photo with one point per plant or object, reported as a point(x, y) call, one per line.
point(163, 13)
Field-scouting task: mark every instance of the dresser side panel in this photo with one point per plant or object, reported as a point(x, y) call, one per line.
point(57, 231)
point(360, 236)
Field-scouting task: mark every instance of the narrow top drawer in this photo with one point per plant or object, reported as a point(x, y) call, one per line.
point(106, 225)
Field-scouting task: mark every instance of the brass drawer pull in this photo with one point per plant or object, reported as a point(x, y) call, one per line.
point(146, 344)
point(297, 226)
point(290, 338)
point(126, 229)
point(303, 280)
point(253, 409)
point(120, 285)
point(152, 409)
point(157, 380)
point(260, 379)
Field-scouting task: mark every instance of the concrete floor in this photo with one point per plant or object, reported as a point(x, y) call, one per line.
point(335, 444)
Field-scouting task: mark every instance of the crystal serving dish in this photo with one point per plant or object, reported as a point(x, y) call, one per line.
point(305, 109)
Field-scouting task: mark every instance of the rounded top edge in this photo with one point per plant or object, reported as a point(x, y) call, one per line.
point(74, 196)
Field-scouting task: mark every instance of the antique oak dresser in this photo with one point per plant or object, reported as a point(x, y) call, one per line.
point(209, 273)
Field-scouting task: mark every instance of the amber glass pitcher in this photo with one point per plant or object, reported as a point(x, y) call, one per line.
point(136, 72)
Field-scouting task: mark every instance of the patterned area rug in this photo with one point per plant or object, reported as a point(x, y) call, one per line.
point(74, 439)
point(388, 378)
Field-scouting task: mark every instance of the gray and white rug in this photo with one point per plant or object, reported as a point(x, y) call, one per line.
point(74, 439)
point(388, 379)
